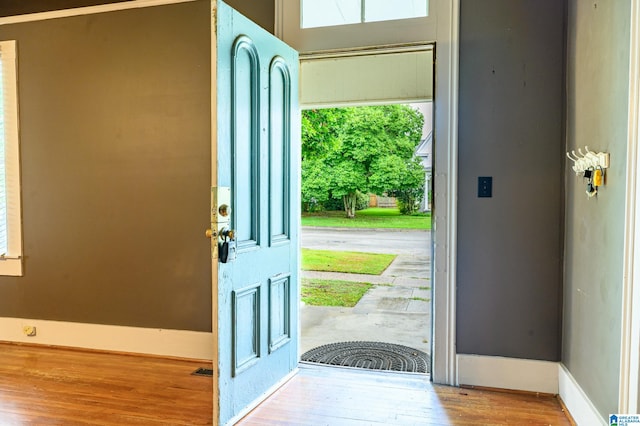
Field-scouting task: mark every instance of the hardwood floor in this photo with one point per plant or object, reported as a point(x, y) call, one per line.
point(55, 386)
point(52, 386)
point(332, 396)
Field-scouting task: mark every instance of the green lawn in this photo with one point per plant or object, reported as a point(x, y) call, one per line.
point(373, 217)
point(345, 261)
point(318, 292)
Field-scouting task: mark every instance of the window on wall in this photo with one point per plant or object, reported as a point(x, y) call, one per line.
point(10, 203)
point(325, 13)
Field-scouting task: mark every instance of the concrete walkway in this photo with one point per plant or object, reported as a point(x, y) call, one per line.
point(397, 309)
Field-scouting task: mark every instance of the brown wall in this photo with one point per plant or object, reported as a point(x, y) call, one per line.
point(21, 7)
point(262, 12)
point(115, 140)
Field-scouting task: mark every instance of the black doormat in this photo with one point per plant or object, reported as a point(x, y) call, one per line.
point(371, 355)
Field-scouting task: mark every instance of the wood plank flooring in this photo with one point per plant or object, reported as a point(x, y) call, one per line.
point(55, 386)
point(333, 396)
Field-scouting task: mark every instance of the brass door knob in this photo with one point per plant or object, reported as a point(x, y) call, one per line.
point(210, 233)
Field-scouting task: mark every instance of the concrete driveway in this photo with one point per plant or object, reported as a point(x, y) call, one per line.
point(396, 310)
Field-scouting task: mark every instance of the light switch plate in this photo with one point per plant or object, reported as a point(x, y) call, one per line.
point(485, 186)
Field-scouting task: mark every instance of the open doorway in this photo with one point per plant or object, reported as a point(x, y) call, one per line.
point(439, 28)
point(366, 279)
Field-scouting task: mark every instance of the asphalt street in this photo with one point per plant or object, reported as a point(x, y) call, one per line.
point(391, 241)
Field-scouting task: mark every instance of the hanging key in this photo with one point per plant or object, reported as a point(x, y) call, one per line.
point(223, 250)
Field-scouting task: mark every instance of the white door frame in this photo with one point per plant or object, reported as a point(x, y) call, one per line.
point(445, 193)
point(628, 401)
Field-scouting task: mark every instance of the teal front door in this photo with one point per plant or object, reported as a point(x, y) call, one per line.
point(258, 142)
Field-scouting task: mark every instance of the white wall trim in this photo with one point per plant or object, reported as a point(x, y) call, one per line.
point(279, 18)
point(508, 373)
point(630, 340)
point(579, 405)
point(151, 341)
point(445, 205)
point(390, 49)
point(89, 10)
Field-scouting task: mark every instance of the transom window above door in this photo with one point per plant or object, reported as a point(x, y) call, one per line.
point(326, 13)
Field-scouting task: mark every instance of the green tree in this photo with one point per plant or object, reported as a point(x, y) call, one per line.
point(347, 177)
point(321, 132)
point(368, 149)
point(401, 179)
point(321, 129)
point(316, 189)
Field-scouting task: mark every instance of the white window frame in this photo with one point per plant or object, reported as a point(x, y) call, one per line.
point(380, 33)
point(11, 262)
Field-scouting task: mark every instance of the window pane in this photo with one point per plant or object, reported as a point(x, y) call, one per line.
point(385, 10)
point(10, 223)
point(326, 13)
point(3, 191)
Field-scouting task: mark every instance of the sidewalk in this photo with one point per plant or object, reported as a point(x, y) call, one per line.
point(397, 309)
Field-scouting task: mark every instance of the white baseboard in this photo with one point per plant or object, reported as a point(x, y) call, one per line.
point(508, 373)
point(576, 401)
point(152, 341)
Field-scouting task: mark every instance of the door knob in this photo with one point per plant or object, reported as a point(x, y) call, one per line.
point(210, 233)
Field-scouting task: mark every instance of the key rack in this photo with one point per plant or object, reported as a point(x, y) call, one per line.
point(588, 161)
point(591, 166)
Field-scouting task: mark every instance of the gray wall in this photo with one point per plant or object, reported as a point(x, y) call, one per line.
point(597, 80)
point(115, 139)
point(510, 128)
